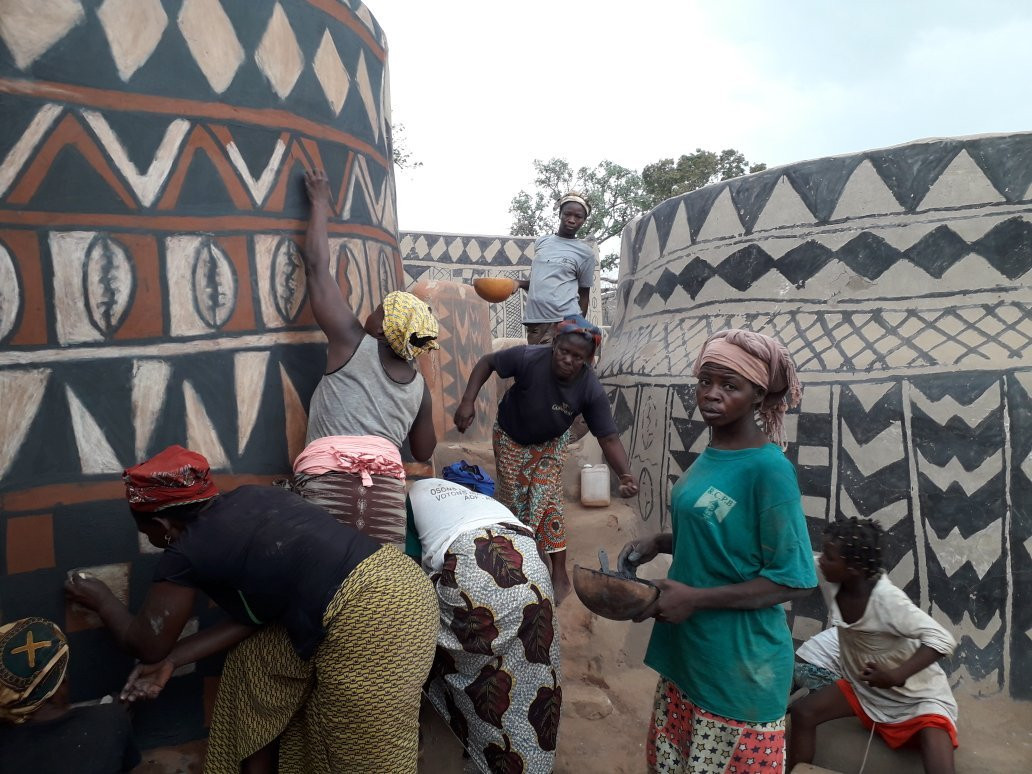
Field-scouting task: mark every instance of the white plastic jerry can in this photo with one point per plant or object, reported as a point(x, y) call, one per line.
point(594, 485)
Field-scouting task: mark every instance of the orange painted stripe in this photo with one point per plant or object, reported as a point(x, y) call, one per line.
point(219, 223)
point(348, 18)
point(45, 498)
point(68, 132)
point(120, 100)
point(200, 140)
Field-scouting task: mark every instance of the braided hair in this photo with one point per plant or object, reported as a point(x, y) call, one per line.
point(859, 543)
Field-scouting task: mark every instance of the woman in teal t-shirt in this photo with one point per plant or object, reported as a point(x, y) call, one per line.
point(740, 548)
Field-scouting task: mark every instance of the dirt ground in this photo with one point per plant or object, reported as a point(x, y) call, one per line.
point(607, 692)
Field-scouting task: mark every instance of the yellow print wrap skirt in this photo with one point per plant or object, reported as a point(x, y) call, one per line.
point(354, 706)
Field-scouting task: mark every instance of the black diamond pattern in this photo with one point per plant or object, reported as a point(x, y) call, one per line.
point(937, 251)
point(667, 284)
point(868, 255)
point(1007, 247)
point(743, 267)
point(695, 274)
point(801, 263)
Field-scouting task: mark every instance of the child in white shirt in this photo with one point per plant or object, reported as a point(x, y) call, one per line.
point(888, 653)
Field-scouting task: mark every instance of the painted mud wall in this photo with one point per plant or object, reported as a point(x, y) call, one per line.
point(151, 293)
point(441, 268)
point(464, 257)
point(898, 278)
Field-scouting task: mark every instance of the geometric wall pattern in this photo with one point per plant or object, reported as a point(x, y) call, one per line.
point(465, 336)
point(898, 279)
point(151, 291)
point(462, 258)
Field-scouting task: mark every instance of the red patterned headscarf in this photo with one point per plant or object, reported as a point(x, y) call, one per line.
point(176, 476)
point(574, 323)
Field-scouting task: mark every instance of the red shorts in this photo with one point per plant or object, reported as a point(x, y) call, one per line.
point(897, 734)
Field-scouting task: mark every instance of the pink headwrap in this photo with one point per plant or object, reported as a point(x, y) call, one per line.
point(763, 361)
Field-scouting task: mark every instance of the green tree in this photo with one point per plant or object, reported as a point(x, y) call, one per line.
point(616, 194)
point(666, 178)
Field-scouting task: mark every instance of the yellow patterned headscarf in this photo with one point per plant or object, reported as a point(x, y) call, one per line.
point(33, 661)
point(405, 316)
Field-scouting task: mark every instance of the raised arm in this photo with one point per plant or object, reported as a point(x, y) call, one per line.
point(478, 377)
point(338, 321)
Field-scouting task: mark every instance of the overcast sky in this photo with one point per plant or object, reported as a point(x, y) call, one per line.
point(483, 88)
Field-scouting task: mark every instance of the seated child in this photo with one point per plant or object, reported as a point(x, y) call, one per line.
point(817, 661)
point(888, 649)
point(39, 731)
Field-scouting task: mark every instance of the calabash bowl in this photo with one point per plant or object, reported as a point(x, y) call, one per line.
point(613, 597)
point(494, 289)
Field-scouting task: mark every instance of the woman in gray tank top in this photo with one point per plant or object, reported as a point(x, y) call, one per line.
point(370, 400)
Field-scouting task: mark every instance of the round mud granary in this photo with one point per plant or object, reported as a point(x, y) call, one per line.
point(899, 280)
point(151, 292)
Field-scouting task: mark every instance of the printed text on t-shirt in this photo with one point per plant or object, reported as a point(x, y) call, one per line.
point(715, 504)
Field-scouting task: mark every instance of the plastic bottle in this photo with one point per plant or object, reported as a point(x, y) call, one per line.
point(594, 485)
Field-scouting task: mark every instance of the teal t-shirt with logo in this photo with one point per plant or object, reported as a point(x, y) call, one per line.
point(736, 516)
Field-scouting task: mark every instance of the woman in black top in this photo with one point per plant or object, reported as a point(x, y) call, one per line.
point(553, 385)
point(332, 634)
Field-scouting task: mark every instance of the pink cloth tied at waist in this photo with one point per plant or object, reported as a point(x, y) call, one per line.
point(366, 455)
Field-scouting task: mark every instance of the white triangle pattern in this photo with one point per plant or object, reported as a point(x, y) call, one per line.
point(954, 472)
point(865, 194)
point(947, 407)
point(248, 378)
point(150, 384)
point(26, 144)
point(297, 417)
point(95, 453)
point(365, 90)
point(783, 208)
point(878, 453)
point(21, 392)
point(145, 185)
point(259, 188)
point(870, 393)
point(378, 203)
point(723, 220)
point(200, 430)
point(961, 184)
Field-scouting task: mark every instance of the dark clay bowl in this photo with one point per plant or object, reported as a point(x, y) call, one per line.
point(613, 597)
